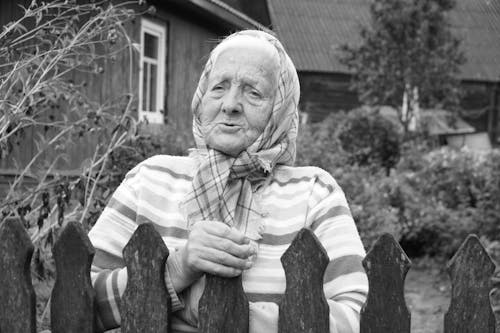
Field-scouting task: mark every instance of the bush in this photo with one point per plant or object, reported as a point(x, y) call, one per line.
point(39, 53)
point(370, 138)
point(318, 144)
point(430, 200)
point(450, 194)
point(362, 176)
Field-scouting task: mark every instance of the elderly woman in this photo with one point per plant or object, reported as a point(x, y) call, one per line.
point(235, 204)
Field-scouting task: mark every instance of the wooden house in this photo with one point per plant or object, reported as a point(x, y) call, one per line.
point(173, 42)
point(175, 39)
point(312, 32)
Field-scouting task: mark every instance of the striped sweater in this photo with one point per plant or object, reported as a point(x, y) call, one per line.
point(294, 197)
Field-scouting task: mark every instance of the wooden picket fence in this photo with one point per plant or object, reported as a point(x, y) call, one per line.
point(224, 306)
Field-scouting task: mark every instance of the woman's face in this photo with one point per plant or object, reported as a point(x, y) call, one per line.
point(240, 94)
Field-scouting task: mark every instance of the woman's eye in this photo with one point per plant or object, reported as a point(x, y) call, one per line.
point(255, 94)
point(217, 88)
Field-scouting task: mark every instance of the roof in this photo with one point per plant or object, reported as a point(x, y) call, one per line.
point(442, 122)
point(436, 121)
point(477, 23)
point(218, 11)
point(313, 30)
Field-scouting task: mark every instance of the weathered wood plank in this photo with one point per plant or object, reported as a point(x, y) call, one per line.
point(470, 271)
point(17, 296)
point(73, 298)
point(303, 307)
point(223, 306)
point(385, 309)
point(146, 304)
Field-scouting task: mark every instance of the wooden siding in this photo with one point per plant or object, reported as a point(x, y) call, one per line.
point(323, 93)
point(481, 104)
point(188, 46)
point(189, 41)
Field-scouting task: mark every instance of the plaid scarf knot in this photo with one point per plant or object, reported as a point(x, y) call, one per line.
point(221, 190)
point(247, 166)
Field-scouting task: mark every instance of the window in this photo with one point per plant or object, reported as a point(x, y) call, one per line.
point(152, 72)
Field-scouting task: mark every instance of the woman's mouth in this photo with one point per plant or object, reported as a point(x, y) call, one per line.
point(229, 127)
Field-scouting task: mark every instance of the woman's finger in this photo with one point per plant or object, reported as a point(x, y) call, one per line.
point(226, 245)
point(224, 258)
point(218, 269)
point(222, 230)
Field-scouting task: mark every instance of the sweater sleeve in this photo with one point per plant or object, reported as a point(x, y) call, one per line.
point(345, 281)
point(109, 236)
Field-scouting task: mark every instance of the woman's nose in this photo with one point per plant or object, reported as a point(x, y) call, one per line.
point(232, 101)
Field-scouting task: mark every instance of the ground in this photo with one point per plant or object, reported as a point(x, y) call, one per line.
point(427, 293)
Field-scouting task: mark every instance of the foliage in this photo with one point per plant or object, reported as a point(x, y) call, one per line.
point(450, 196)
point(370, 138)
point(344, 145)
point(409, 48)
point(430, 200)
point(318, 144)
point(362, 137)
point(40, 98)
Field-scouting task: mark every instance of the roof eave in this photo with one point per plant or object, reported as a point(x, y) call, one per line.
point(224, 14)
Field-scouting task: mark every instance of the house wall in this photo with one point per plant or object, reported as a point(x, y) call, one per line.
point(323, 93)
point(188, 46)
point(481, 107)
point(189, 40)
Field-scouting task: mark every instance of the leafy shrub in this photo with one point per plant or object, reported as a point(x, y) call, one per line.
point(450, 195)
point(430, 200)
point(369, 197)
point(39, 53)
point(318, 144)
point(370, 138)
point(363, 179)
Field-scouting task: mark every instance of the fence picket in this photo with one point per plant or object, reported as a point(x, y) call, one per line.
point(470, 271)
point(146, 304)
point(17, 296)
point(385, 309)
point(223, 307)
point(303, 307)
point(73, 298)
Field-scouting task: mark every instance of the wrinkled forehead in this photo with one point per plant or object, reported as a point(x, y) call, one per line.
point(244, 45)
point(256, 63)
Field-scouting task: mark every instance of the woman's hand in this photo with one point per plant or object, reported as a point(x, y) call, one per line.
point(212, 247)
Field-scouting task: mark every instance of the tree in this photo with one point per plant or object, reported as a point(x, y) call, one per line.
point(407, 58)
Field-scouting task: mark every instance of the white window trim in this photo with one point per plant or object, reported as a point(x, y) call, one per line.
point(159, 31)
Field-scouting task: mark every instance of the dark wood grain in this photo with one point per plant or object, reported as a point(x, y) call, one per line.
point(303, 307)
point(146, 304)
point(17, 297)
point(73, 298)
point(223, 307)
point(385, 309)
point(470, 271)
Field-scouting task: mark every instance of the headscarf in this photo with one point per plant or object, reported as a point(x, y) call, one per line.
point(221, 188)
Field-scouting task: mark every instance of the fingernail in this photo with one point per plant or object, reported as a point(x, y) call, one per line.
point(249, 264)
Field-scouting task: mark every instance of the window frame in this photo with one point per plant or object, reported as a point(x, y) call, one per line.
point(160, 31)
